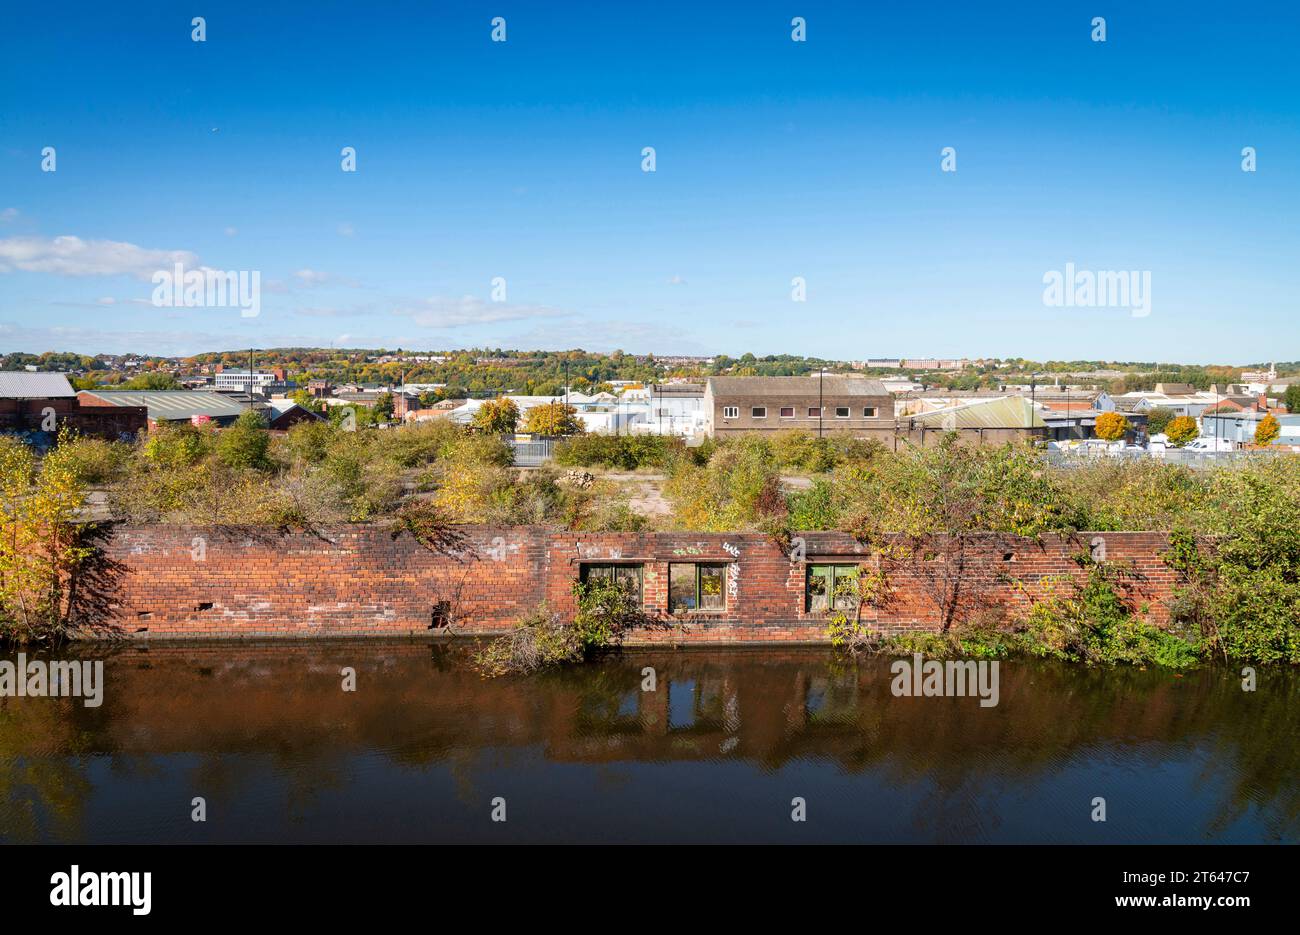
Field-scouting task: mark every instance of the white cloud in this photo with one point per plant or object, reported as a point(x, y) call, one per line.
point(232, 231)
point(314, 277)
point(676, 281)
point(439, 312)
point(9, 214)
point(72, 256)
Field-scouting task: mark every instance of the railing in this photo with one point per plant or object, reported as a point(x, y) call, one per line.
point(1180, 456)
point(532, 452)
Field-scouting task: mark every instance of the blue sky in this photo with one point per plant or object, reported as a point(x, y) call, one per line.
point(775, 159)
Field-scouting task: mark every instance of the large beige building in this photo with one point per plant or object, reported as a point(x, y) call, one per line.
point(826, 404)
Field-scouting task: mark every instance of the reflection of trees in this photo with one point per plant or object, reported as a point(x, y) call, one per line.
point(242, 715)
point(43, 787)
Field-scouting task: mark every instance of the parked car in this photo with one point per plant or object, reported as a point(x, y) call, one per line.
point(1210, 444)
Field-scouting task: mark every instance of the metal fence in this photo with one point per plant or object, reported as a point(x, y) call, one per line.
point(532, 452)
point(1191, 459)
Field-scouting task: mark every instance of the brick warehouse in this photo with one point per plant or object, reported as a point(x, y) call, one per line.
point(358, 580)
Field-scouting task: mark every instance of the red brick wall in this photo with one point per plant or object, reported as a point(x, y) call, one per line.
point(179, 581)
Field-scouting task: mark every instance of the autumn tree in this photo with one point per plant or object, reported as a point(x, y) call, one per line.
point(1267, 431)
point(553, 419)
point(497, 416)
point(41, 540)
point(1182, 430)
point(1112, 426)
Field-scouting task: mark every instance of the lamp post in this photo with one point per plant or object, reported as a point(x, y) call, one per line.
point(821, 402)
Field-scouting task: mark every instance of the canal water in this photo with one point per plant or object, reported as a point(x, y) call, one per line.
point(727, 747)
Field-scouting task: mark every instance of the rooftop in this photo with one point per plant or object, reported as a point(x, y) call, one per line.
point(1002, 413)
point(796, 386)
point(24, 385)
point(167, 405)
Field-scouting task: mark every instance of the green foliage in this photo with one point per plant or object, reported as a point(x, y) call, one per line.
point(739, 488)
point(1292, 398)
point(606, 611)
point(955, 489)
point(94, 460)
point(42, 543)
point(1091, 623)
point(244, 444)
point(383, 407)
point(150, 382)
point(1158, 419)
point(815, 508)
point(803, 451)
point(178, 446)
point(620, 452)
point(1242, 585)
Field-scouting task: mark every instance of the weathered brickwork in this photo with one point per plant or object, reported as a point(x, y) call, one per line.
point(185, 581)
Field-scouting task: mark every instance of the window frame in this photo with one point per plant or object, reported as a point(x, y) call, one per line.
point(585, 570)
point(847, 410)
point(781, 412)
point(832, 573)
point(755, 410)
point(731, 412)
point(697, 569)
point(814, 412)
point(869, 412)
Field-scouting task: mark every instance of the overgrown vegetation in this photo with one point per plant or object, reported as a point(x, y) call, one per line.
point(320, 473)
point(42, 539)
point(605, 612)
point(1236, 529)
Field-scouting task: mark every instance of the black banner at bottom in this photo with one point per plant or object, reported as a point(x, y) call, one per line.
point(331, 884)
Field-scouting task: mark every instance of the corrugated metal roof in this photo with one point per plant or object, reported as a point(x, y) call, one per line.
point(174, 404)
point(796, 386)
point(1009, 412)
point(19, 384)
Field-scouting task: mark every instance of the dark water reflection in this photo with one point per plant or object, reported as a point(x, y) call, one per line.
point(281, 754)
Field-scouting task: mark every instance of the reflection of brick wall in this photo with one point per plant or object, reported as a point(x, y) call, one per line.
point(182, 581)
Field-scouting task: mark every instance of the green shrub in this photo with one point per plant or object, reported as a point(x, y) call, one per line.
point(620, 452)
point(1090, 622)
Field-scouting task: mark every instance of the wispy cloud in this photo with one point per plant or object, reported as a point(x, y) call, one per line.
point(439, 312)
point(310, 278)
point(72, 256)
